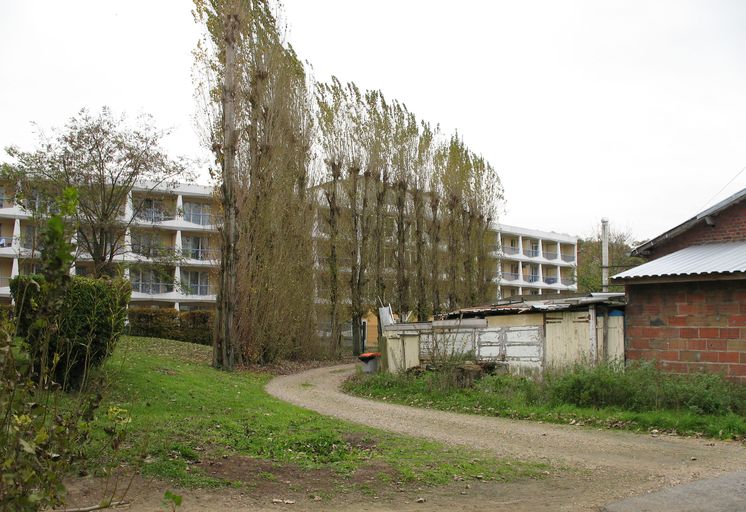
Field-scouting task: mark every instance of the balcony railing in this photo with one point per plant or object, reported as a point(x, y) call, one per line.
point(510, 276)
point(197, 289)
point(152, 251)
point(568, 257)
point(550, 255)
point(532, 253)
point(4, 281)
point(7, 241)
point(533, 278)
point(567, 281)
point(510, 250)
point(201, 254)
point(154, 215)
point(28, 242)
point(203, 219)
point(152, 288)
point(550, 280)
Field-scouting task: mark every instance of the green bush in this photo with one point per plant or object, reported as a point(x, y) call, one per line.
point(27, 294)
point(192, 326)
point(197, 326)
point(92, 315)
point(644, 387)
point(7, 311)
point(154, 323)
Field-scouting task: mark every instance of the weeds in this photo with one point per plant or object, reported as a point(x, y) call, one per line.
point(637, 397)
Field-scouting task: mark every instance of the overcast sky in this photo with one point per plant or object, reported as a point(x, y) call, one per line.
point(633, 110)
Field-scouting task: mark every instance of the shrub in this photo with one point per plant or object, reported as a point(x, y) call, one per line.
point(92, 315)
point(155, 323)
point(644, 387)
point(7, 311)
point(197, 326)
point(191, 326)
point(27, 295)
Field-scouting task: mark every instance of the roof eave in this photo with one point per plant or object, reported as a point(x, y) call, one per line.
point(679, 278)
point(688, 224)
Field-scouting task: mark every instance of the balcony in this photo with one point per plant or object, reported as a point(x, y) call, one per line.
point(550, 280)
point(201, 254)
point(568, 281)
point(510, 276)
point(533, 278)
point(28, 242)
point(5, 281)
point(154, 215)
point(197, 289)
point(550, 255)
point(152, 288)
point(531, 253)
point(510, 250)
point(569, 258)
point(8, 241)
point(152, 251)
point(203, 219)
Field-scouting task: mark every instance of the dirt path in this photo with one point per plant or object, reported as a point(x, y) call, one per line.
point(605, 464)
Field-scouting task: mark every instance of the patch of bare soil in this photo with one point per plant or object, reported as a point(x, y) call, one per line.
point(567, 491)
point(266, 478)
point(292, 367)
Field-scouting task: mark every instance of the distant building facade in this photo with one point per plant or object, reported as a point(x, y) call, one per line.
point(171, 250)
point(532, 262)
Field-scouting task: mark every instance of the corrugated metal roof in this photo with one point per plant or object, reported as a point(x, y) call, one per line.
point(720, 258)
point(528, 305)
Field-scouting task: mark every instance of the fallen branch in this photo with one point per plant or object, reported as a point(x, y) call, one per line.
point(100, 506)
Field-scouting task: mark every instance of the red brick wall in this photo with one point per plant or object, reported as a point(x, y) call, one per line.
point(730, 226)
point(689, 327)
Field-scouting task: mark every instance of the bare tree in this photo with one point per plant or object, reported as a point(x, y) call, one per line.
point(104, 159)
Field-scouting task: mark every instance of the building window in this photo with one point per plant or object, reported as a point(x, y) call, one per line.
point(149, 281)
point(148, 244)
point(196, 248)
point(153, 210)
point(197, 213)
point(195, 282)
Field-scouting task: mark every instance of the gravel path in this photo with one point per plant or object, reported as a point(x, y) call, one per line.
point(612, 464)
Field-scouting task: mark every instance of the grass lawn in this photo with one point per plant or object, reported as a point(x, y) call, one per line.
point(180, 416)
point(639, 399)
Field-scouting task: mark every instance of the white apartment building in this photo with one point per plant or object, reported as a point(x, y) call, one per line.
point(172, 250)
point(532, 262)
point(171, 246)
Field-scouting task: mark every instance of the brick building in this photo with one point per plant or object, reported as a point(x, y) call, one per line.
point(686, 307)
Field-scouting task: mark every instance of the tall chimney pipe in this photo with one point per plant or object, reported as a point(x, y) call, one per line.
point(605, 254)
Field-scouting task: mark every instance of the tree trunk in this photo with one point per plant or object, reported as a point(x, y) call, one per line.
point(224, 355)
point(421, 296)
point(435, 253)
point(401, 247)
point(380, 241)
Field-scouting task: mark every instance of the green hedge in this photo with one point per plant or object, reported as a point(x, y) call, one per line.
point(91, 318)
point(26, 291)
point(156, 323)
point(192, 326)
